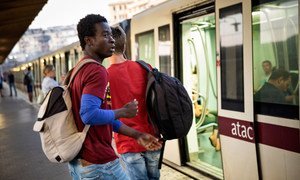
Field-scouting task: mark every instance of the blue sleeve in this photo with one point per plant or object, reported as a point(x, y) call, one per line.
point(116, 125)
point(92, 114)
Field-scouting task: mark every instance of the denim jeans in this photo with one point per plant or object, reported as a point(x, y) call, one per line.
point(12, 86)
point(108, 171)
point(142, 166)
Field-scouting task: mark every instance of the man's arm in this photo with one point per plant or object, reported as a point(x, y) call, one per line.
point(91, 113)
point(144, 139)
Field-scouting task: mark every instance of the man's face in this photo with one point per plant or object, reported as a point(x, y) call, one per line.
point(284, 84)
point(52, 73)
point(103, 43)
point(267, 68)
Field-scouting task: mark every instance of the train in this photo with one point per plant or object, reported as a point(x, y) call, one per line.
point(217, 49)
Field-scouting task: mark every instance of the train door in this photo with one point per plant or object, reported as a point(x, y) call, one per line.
point(197, 51)
point(235, 102)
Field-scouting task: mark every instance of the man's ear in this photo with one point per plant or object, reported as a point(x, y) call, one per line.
point(88, 41)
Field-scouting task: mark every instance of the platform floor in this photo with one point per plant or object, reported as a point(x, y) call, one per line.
point(21, 155)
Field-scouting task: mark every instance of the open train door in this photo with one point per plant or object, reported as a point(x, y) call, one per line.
point(235, 91)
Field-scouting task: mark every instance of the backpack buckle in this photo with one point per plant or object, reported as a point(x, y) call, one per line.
point(156, 74)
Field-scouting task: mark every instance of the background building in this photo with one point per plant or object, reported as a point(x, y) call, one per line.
point(125, 9)
point(36, 42)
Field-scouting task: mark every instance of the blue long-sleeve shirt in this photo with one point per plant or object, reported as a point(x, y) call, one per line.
point(92, 114)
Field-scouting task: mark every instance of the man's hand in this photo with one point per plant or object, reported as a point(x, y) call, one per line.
point(149, 142)
point(129, 110)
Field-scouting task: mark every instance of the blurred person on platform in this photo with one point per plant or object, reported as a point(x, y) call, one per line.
point(11, 83)
point(48, 82)
point(1, 85)
point(29, 83)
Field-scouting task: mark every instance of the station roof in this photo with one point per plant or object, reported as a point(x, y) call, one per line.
point(15, 18)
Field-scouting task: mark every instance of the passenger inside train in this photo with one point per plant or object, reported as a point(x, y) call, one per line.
point(276, 90)
point(210, 117)
point(267, 68)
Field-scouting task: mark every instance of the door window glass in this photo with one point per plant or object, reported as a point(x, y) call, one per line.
point(164, 49)
point(231, 53)
point(145, 47)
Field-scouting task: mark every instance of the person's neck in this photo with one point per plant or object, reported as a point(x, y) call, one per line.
point(93, 55)
point(267, 73)
point(117, 59)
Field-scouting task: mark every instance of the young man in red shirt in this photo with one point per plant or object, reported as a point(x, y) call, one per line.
point(97, 159)
point(140, 163)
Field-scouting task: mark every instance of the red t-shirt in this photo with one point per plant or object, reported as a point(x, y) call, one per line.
point(92, 79)
point(128, 81)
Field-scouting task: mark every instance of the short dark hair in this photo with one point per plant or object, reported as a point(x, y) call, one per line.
point(86, 27)
point(120, 39)
point(48, 68)
point(267, 61)
point(276, 74)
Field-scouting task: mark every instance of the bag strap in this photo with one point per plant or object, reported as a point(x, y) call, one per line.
point(85, 129)
point(76, 69)
point(144, 65)
point(150, 74)
point(78, 66)
point(151, 81)
point(161, 154)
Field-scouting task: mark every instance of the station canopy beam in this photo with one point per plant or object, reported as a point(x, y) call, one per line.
point(15, 18)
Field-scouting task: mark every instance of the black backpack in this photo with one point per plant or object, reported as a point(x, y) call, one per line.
point(26, 80)
point(168, 104)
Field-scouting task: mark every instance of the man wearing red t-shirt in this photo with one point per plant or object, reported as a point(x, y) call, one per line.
point(97, 159)
point(141, 164)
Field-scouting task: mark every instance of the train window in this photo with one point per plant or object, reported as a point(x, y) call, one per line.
point(164, 49)
point(54, 61)
point(67, 57)
point(76, 55)
point(275, 27)
point(231, 43)
point(145, 47)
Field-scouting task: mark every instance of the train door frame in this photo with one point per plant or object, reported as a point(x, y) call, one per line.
point(200, 10)
point(246, 155)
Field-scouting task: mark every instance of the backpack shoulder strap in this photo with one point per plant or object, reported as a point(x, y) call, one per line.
point(151, 75)
point(144, 65)
point(76, 69)
point(78, 66)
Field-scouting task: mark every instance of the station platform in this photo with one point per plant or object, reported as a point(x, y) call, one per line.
point(21, 155)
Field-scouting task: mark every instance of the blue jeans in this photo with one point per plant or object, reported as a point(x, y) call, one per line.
point(142, 165)
point(107, 171)
point(12, 86)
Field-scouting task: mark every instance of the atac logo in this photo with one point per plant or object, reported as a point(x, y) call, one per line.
point(242, 131)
